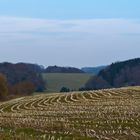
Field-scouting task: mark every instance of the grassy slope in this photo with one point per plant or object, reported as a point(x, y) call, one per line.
point(55, 81)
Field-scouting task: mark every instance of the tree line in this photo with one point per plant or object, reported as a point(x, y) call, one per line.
point(119, 74)
point(20, 79)
point(22, 88)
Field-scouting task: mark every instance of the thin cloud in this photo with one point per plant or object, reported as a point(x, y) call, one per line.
point(72, 42)
point(92, 26)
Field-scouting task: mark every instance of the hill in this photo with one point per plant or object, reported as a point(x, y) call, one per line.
point(94, 70)
point(119, 74)
point(58, 69)
point(73, 81)
point(103, 114)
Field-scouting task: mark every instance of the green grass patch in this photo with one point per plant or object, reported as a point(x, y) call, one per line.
point(73, 81)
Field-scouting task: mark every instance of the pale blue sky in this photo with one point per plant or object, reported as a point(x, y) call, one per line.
point(69, 32)
point(71, 9)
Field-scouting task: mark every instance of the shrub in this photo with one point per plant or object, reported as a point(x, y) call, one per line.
point(65, 89)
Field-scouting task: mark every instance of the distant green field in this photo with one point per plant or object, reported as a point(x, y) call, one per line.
point(73, 81)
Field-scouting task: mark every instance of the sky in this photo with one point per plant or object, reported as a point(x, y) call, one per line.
point(69, 32)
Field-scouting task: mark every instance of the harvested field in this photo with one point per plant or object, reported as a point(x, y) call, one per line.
point(109, 114)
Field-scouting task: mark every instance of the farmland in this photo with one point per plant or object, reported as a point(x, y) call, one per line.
point(73, 81)
point(109, 114)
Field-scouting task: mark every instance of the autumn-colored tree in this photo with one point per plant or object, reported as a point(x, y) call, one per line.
point(3, 87)
point(23, 88)
point(16, 73)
